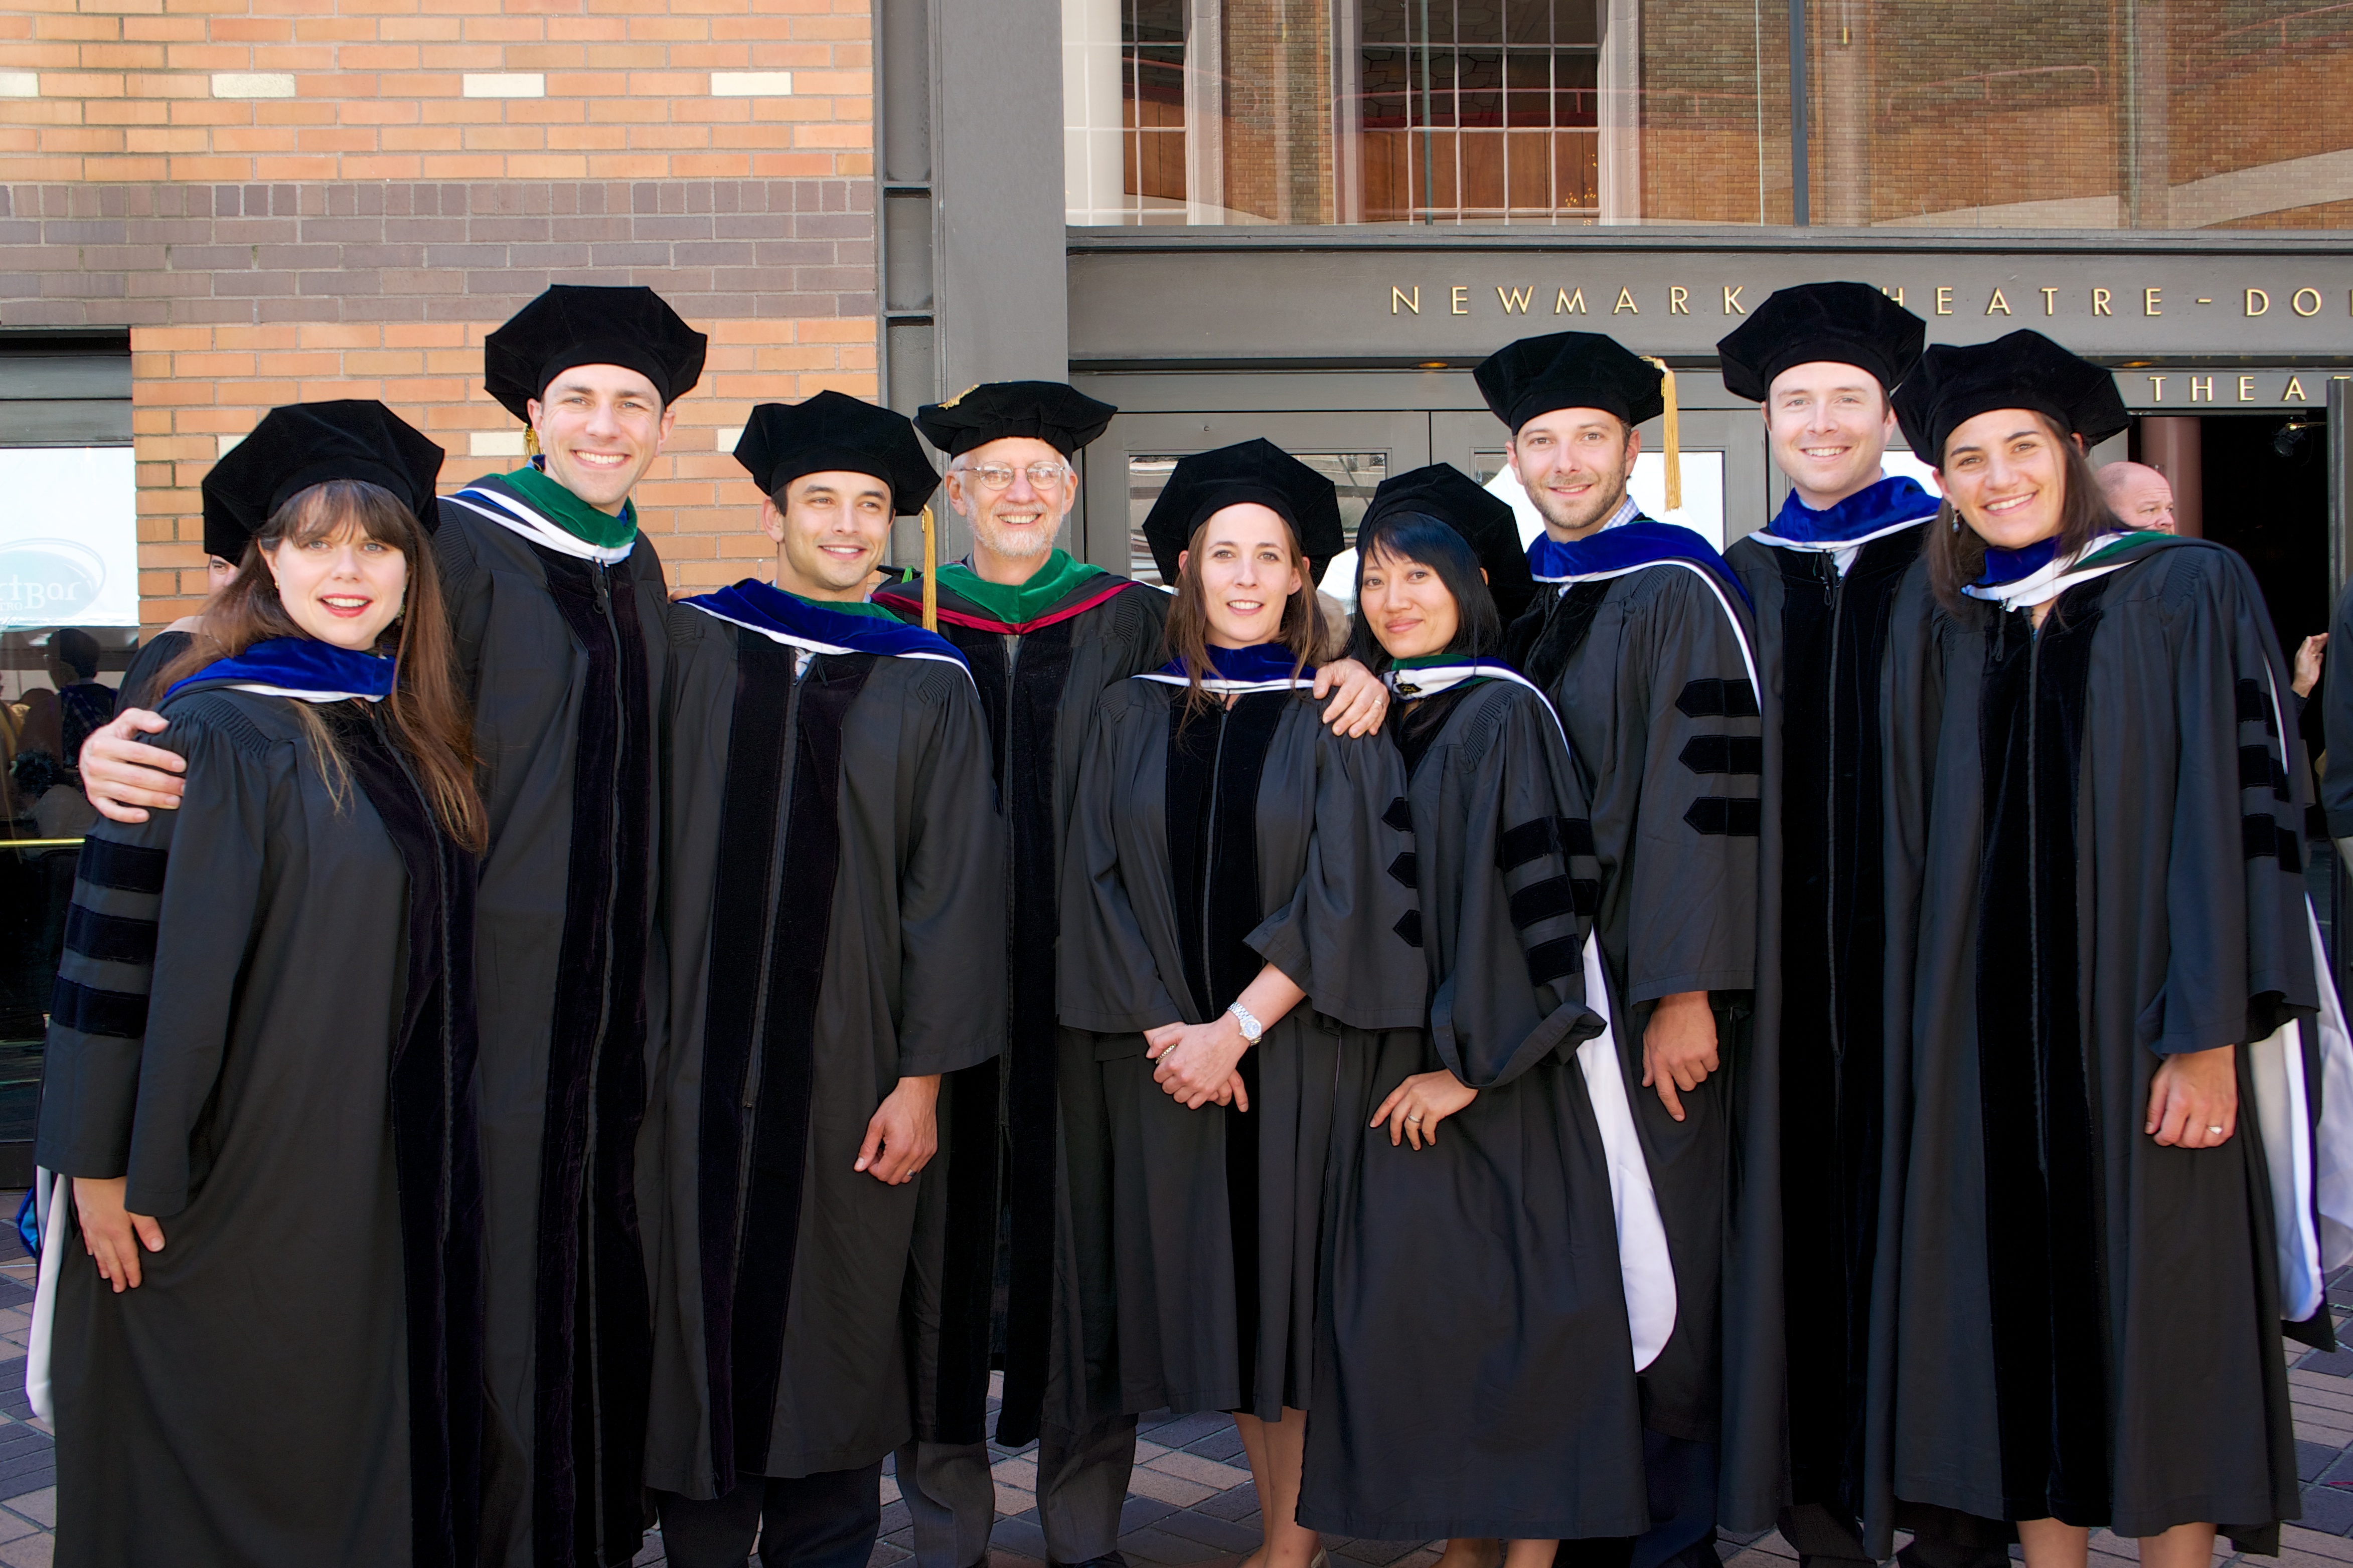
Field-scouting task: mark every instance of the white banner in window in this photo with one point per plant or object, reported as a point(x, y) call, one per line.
point(68, 537)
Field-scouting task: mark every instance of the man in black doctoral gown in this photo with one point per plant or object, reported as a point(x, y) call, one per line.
point(1017, 1212)
point(835, 879)
point(1823, 360)
point(1640, 636)
point(557, 603)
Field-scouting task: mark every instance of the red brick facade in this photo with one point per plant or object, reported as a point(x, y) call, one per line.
point(289, 199)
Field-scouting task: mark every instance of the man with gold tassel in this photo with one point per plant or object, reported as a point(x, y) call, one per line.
point(837, 878)
point(1640, 635)
point(1019, 1204)
point(557, 603)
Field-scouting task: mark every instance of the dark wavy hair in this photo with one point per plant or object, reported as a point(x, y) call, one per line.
point(1416, 536)
point(429, 719)
point(1957, 551)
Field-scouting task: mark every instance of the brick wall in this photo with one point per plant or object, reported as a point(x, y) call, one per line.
point(293, 199)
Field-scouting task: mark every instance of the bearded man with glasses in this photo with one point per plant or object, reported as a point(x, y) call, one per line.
point(1013, 1231)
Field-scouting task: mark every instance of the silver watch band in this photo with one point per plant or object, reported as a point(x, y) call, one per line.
point(1253, 1030)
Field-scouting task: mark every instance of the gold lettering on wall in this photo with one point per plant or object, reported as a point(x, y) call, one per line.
point(1944, 299)
point(1461, 298)
point(2247, 389)
point(2257, 301)
point(2100, 306)
point(1997, 303)
point(1625, 302)
point(2150, 301)
point(1570, 304)
point(1400, 296)
point(2296, 302)
point(2157, 389)
point(2295, 393)
point(1895, 293)
point(2050, 301)
point(2201, 389)
point(1678, 299)
point(1516, 298)
point(1732, 305)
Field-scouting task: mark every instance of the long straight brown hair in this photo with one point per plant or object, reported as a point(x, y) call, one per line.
point(1186, 635)
point(429, 718)
point(1957, 551)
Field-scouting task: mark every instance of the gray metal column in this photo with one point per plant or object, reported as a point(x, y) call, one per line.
point(968, 127)
point(1003, 308)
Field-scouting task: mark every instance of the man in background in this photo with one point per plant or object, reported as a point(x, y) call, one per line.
point(2139, 495)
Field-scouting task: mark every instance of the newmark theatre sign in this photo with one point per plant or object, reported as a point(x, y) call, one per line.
point(2196, 325)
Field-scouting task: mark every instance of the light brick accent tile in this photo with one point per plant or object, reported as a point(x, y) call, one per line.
point(648, 66)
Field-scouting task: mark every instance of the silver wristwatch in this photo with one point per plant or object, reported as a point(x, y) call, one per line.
point(1253, 1030)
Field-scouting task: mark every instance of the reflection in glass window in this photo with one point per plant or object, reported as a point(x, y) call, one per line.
point(1553, 111)
point(2070, 114)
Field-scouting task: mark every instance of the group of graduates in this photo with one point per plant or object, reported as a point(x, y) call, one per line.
point(1828, 1034)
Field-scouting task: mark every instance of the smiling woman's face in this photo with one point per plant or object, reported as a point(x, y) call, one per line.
point(1408, 605)
point(1248, 573)
point(2006, 474)
point(341, 587)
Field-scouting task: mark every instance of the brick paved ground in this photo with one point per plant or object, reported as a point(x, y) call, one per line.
point(1191, 1502)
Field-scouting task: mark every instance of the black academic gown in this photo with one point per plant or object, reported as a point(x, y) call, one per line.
point(2093, 859)
point(1215, 1236)
point(1821, 651)
point(1650, 674)
point(265, 1021)
point(563, 659)
point(138, 688)
point(836, 835)
point(1021, 1135)
point(1474, 1375)
point(2337, 717)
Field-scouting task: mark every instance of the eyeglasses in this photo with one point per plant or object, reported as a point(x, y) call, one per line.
point(1043, 476)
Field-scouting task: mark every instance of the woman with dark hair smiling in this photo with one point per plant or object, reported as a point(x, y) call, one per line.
point(2102, 1083)
point(1236, 917)
point(1475, 1225)
point(261, 1054)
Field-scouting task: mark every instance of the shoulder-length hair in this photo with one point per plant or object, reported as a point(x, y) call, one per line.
point(428, 716)
point(1418, 537)
point(1957, 551)
point(1186, 635)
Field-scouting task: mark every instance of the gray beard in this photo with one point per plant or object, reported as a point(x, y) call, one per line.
point(996, 542)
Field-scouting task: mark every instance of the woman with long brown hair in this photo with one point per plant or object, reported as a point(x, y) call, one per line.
point(2101, 1096)
point(1237, 910)
point(262, 1272)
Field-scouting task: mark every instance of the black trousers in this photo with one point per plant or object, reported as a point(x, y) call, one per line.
point(1941, 1538)
point(826, 1520)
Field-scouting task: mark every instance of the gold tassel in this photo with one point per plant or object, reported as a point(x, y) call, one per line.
point(530, 442)
point(1671, 427)
point(931, 573)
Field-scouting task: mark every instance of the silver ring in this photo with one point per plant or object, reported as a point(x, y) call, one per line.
point(1410, 1117)
point(2215, 1131)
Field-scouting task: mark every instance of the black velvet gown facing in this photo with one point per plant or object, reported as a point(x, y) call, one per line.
point(2093, 861)
point(1199, 852)
point(563, 661)
point(1474, 1373)
point(835, 873)
point(1649, 673)
point(1020, 1188)
point(265, 1022)
point(1822, 638)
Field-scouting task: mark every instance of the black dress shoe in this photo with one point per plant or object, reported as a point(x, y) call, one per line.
point(1108, 1559)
